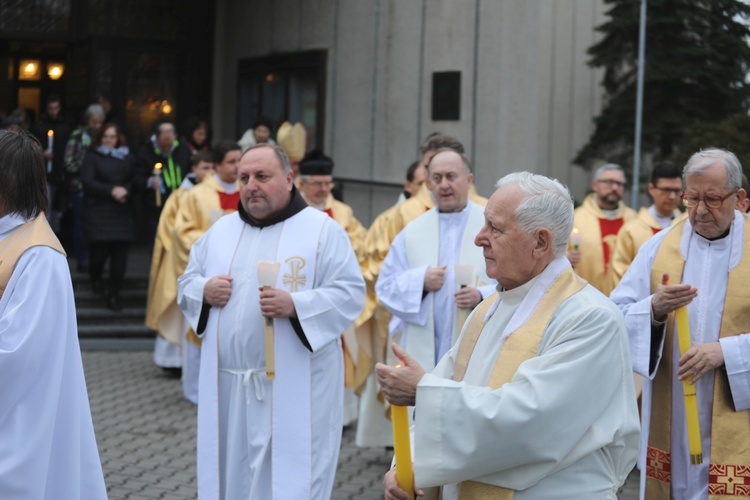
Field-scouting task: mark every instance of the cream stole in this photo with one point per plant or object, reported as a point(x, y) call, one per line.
point(520, 345)
point(33, 233)
point(291, 443)
point(729, 472)
point(422, 246)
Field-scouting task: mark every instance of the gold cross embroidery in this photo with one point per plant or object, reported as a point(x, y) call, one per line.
point(294, 279)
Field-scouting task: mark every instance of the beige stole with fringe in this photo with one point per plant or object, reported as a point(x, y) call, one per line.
point(729, 470)
point(36, 232)
point(521, 345)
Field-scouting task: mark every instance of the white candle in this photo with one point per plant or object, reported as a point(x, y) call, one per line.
point(575, 238)
point(50, 141)
point(268, 273)
point(464, 275)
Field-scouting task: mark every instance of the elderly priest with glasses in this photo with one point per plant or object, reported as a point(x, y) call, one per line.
point(536, 398)
point(688, 286)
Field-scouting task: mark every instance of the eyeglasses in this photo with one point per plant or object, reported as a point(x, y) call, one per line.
point(711, 201)
point(611, 183)
point(669, 191)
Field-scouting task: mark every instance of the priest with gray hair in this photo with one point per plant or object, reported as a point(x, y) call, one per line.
point(535, 400)
point(701, 266)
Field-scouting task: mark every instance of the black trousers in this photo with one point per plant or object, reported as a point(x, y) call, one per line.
point(117, 253)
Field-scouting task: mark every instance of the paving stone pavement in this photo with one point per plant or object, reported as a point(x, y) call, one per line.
point(146, 435)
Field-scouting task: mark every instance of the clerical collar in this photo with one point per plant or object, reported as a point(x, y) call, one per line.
point(464, 210)
point(663, 221)
point(295, 206)
point(229, 187)
point(516, 295)
point(720, 237)
point(609, 214)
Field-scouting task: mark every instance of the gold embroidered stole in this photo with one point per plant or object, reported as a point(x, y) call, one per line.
point(33, 233)
point(521, 345)
point(729, 470)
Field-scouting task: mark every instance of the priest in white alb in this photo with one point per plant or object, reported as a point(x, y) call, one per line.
point(702, 263)
point(47, 445)
point(536, 398)
point(419, 279)
point(262, 437)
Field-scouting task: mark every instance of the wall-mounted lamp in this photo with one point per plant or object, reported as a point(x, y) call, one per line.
point(55, 70)
point(29, 69)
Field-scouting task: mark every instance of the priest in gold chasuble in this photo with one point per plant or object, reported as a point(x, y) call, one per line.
point(597, 222)
point(665, 189)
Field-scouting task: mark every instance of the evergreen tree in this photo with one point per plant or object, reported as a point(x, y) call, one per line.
point(697, 60)
point(731, 134)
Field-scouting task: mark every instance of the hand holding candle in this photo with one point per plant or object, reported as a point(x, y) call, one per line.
point(157, 189)
point(399, 387)
point(402, 448)
point(691, 401)
point(682, 324)
point(268, 273)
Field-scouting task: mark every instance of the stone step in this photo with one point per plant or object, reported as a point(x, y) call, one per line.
point(129, 298)
point(104, 315)
point(82, 283)
point(115, 330)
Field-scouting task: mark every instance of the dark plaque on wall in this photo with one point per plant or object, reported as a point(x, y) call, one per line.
point(446, 95)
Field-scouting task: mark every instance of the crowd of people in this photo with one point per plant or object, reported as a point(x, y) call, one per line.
point(536, 342)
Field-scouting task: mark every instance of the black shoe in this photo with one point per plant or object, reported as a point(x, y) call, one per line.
point(174, 372)
point(113, 302)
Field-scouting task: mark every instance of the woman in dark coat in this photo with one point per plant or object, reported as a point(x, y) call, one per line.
point(107, 177)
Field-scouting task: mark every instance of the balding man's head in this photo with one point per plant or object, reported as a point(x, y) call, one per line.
point(450, 178)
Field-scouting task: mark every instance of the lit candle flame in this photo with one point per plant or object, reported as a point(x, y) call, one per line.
point(575, 238)
point(50, 133)
point(157, 166)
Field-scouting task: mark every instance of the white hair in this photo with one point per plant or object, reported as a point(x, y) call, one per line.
point(606, 168)
point(94, 110)
point(547, 204)
point(701, 160)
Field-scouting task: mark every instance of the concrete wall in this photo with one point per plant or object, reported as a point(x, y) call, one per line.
point(527, 96)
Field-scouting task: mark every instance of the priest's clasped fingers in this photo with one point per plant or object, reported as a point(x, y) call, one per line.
point(393, 491)
point(700, 360)
point(671, 297)
point(217, 290)
point(434, 278)
point(468, 297)
point(276, 303)
point(399, 383)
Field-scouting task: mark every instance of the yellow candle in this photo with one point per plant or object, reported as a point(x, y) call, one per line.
point(691, 402)
point(402, 448)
